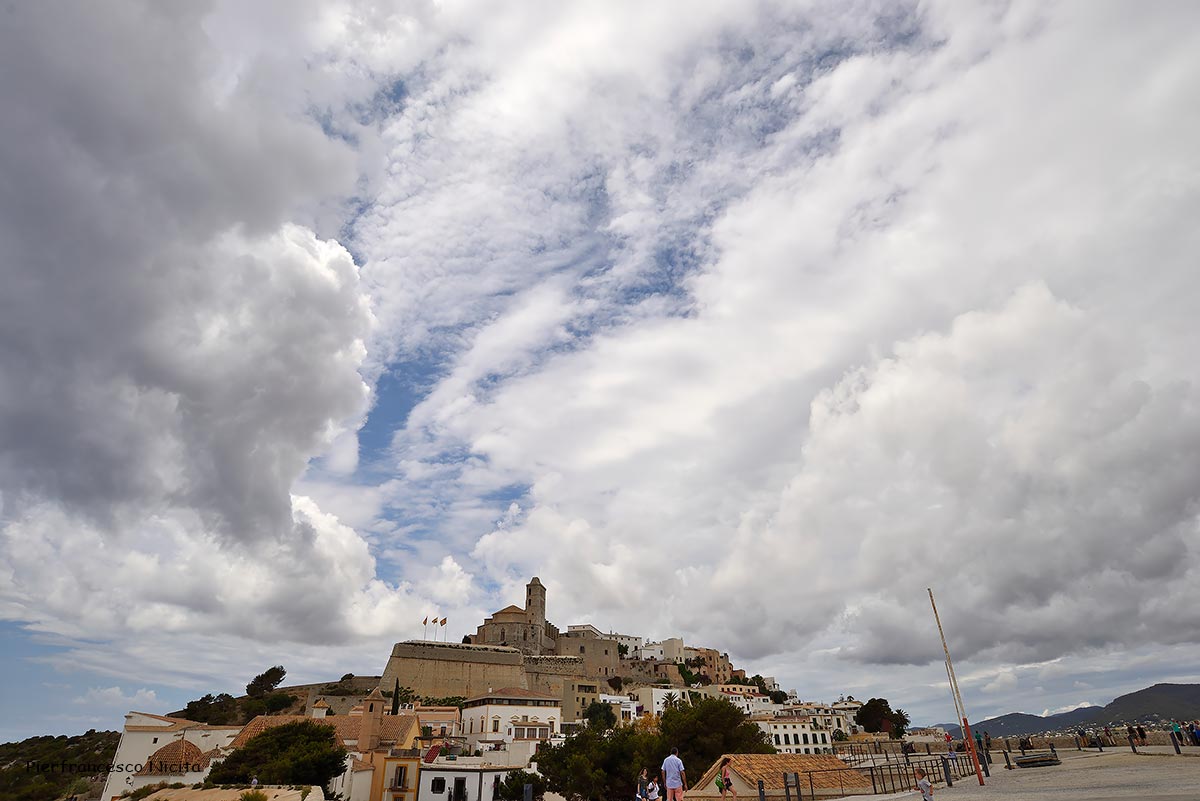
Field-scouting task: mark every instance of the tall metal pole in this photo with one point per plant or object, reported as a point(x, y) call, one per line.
point(960, 708)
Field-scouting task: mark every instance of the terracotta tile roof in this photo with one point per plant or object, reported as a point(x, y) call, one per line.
point(392, 728)
point(175, 759)
point(174, 724)
point(509, 610)
point(357, 766)
point(771, 767)
point(263, 722)
point(517, 693)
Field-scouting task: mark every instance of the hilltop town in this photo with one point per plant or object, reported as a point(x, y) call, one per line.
point(519, 682)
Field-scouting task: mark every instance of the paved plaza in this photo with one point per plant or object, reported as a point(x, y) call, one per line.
point(1092, 776)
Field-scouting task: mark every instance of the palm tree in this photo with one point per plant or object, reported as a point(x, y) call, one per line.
point(670, 701)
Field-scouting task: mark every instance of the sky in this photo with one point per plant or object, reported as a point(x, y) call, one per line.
point(740, 322)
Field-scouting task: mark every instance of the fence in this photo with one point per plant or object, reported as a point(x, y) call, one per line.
point(893, 776)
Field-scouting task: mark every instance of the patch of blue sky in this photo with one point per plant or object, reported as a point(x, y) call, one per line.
point(397, 392)
point(34, 691)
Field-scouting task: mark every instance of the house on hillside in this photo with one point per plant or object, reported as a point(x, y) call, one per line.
point(155, 748)
point(821, 775)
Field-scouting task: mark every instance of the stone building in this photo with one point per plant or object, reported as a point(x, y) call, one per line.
point(526, 629)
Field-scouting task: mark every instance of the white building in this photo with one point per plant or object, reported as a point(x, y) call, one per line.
point(795, 734)
point(512, 719)
point(152, 750)
point(625, 707)
point(632, 644)
point(653, 700)
point(464, 779)
point(669, 650)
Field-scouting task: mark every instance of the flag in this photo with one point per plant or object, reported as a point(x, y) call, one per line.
point(425, 622)
point(443, 621)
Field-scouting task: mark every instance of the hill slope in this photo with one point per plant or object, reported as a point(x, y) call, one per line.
point(90, 753)
point(1159, 702)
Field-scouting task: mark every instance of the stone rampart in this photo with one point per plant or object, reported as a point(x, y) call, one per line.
point(438, 670)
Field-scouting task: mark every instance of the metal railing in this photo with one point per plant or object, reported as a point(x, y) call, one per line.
point(888, 777)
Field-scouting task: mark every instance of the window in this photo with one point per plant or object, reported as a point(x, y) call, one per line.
point(823, 738)
point(495, 724)
point(438, 785)
point(460, 789)
point(787, 739)
point(581, 649)
point(401, 777)
point(776, 739)
point(806, 739)
point(155, 740)
point(519, 733)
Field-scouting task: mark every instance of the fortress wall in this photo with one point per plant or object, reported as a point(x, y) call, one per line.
point(443, 669)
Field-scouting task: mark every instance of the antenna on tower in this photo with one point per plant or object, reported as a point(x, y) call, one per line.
point(959, 709)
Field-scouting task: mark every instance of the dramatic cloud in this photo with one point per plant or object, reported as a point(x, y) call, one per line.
point(177, 342)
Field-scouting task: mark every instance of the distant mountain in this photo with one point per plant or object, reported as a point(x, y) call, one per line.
point(1165, 701)
point(1160, 702)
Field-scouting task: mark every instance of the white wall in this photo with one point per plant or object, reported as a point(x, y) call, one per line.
point(473, 779)
point(136, 747)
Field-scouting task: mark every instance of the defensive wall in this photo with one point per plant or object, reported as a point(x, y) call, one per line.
point(438, 670)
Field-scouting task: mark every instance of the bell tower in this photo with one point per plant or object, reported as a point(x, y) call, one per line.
point(535, 604)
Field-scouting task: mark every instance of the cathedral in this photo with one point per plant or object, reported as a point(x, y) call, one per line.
point(525, 629)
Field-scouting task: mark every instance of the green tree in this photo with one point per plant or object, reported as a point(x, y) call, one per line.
point(277, 702)
point(305, 752)
point(265, 682)
point(709, 728)
point(218, 710)
point(877, 715)
point(670, 700)
point(839, 736)
point(512, 786)
point(616, 682)
point(595, 765)
point(622, 650)
point(600, 715)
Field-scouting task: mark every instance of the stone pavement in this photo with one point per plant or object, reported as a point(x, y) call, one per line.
point(1088, 776)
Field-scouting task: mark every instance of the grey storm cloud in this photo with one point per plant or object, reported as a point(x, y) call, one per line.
point(176, 343)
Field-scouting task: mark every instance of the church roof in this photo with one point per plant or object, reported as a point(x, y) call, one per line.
point(509, 610)
point(175, 759)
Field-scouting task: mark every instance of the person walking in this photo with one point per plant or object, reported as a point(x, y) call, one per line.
point(1141, 732)
point(1178, 731)
point(643, 782)
point(723, 781)
point(1132, 734)
point(652, 790)
point(987, 742)
point(978, 742)
point(674, 778)
point(924, 786)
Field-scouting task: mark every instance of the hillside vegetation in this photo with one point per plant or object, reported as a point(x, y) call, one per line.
point(46, 768)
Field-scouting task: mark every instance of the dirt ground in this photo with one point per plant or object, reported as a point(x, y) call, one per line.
point(1092, 776)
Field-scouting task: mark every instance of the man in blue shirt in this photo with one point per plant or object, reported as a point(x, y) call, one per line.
point(674, 777)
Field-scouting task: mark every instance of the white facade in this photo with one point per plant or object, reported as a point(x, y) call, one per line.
point(651, 651)
point(511, 719)
point(795, 734)
point(631, 643)
point(447, 781)
point(653, 700)
point(623, 705)
point(143, 734)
